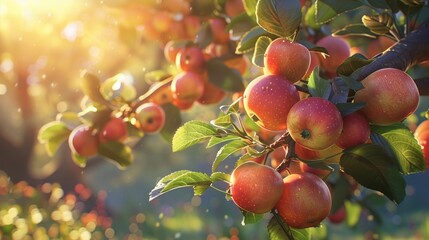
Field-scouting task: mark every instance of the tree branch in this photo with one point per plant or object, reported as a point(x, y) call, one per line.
point(423, 86)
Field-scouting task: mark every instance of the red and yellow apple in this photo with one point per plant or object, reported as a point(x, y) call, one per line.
point(83, 140)
point(356, 131)
point(114, 130)
point(151, 117)
point(338, 50)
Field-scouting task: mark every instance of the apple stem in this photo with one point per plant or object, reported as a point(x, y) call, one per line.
point(220, 190)
point(282, 224)
point(302, 88)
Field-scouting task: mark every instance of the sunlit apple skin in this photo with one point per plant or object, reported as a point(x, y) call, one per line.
point(190, 59)
point(255, 187)
point(212, 94)
point(219, 32)
point(114, 130)
point(356, 131)
point(421, 128)
point(305, 201)
point(338, 49)
point(162, 95)
point(151, 117)
point(315, 123)
point(339, 216)
point(390, 95)
point(187, 86)
point(269, 98)
point(423, 140)
point(288, 59)
point(83, 141)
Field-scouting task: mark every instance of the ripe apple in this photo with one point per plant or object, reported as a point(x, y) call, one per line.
point(182, 105)
point(187, 86)
point(421, 128)
point(151, 117)
point(423, 140)
point(288, 59)
point(339, 216)
point(314, 62)
point(83, 141)
point(355, 131)
point(390, 95)
point(338, 49)
point(114, 130)
point(190, 59)
point(238, 63)
point(316, 171)
point(234, 7)
point(192, 25)
point(162, 95)
point(212, 94)
point(314, 123)
point(269, 99)
point(218, 28)
point(255, 187)
point(305, 201)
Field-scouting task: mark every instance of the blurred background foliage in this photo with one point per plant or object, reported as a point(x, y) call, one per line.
point(44, 46)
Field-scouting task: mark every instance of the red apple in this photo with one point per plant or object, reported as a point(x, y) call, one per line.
point(162, 94)
point(84, 141)
point(338, 49)
point(190, 59)
point(269, 99)
point(192, 25)
point(314, 62)
point(288, 59)
point(234, 7)
point(390, 95)
point(255, 187)
point(355, 131)
point(421, 128)
point(423, 140)
point(305, 202)
point(114, 130)
point(316, 171)
point(315, 123)
point(212, 94)
point(219, 32)
point(151, 117)
point(182, 105)
point(339, 216)
point(187, 86)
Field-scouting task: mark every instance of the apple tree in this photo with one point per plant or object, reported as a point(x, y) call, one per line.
point(320, 91)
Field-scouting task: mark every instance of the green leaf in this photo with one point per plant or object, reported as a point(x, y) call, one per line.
point(78, 160)
point(260, 48)
point(378, 3)
point(404, 147)
point(318, 86)
point(117, 88)
point(313, 47)
point(250, 7)
point(353, 211)
point(380, 24)
point(248, 40)
point(276, 232)
point(279, 17)
point(53, 134)
point(352, 83)
point(120, 153)
point(354, 30)
point(171, 176)
point(95, 117)
point(326, 10)
point(217, 140)
point(340, 91)
point(90, 85)
point(192, 133)
point(224, 77)
point(220, 176)
point(251, 218)
point(156, 76)
point(232, 108)
point(340, 193)
point(200, 182)
point(204, 36)
point(226, 151)
point(173, 120)
point(352, 64)
point(224, 120)
point(372, 167)
point(350, 107)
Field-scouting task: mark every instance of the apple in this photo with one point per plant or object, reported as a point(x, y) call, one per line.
point(305, 201)
point(162, 94)
point(421, 128)
point(268, 99)
point(84, 141)
point(171, 50)
point(356, 131)
point(338, 216)
point(192, 25)
point(182, 105)
point(234, 8)
point(314, 62)
point(218, 27)
point(187, 86)
point(162, 21)
point(322, 173)
point(338, 50)
point(212, 94)
point(190, 58)
point(423, 140)
point(288, 59)
point(390, 95)
point(255, 187)
point(114, 130)
point(151, 117)
point(315, 123)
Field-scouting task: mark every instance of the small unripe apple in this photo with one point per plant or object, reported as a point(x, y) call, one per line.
point(339, 216)
point(83, 141)
point(269, 99)
point(305, 202)
point(315, 123)
point(255, 187)
point(187, 86)
point(390, 95)
point(288, 59)
point(190, 59)
point(218, 26)
point(114, 130)
point(356, 131)
point(151, 117)
point(338, 49)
